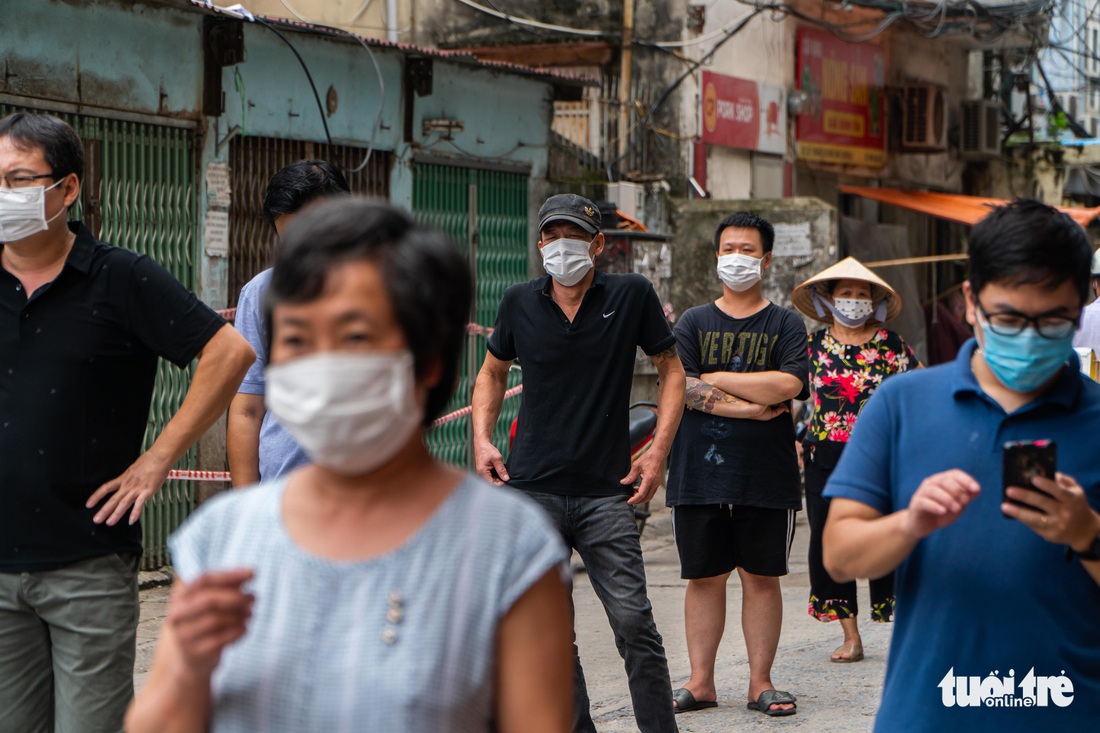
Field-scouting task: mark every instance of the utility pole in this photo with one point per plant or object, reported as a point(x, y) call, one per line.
point(626, 56)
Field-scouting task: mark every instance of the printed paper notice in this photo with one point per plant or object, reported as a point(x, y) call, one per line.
point(217, 233)
point(217, 184)
point(792, 240)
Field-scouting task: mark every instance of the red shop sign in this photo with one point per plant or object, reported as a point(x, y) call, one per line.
point(731, 110)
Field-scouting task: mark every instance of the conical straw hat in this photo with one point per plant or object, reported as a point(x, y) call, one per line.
point(847, 269)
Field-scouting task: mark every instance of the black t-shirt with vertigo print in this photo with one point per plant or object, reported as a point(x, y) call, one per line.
point(78, 360)
point(720, 460)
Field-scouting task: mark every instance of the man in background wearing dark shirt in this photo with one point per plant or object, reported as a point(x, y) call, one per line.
point(733, 482)
point(81, 326)
point(576, 331)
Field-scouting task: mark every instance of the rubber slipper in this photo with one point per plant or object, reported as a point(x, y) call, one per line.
point(853, 650)
point(768, 698)
point(686, 702)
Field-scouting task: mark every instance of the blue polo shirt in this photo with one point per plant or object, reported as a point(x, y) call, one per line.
point(279, 452)
point(984, 606)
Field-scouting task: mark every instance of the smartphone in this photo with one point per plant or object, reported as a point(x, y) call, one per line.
point(1026, 459)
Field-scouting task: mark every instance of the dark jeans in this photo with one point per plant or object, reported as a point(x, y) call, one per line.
point(830, 600)
point(603, 531)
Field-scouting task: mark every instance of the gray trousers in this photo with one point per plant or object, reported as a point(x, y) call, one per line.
point(67, 645)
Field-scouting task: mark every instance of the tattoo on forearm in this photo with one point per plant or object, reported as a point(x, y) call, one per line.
point(669, 353)
point(701, 396)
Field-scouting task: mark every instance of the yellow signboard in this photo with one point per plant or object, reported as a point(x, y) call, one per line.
point(841, 154)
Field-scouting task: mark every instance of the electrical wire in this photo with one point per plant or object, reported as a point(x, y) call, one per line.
point(995, 22)
point(667, 92)
point(362, 9)
point(351, 21)
point(305, 68)
point(245, 14)
point(1056, 105)
point(533, 23)
point(381, 99)
point(946, 17)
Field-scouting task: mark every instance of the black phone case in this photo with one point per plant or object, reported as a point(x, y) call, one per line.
point(1023, 460)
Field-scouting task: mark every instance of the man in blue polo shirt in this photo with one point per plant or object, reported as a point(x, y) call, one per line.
point(576, 331)
point(257, 446)
point(997, 604)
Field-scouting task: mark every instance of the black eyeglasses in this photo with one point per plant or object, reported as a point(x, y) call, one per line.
point(23, 181)
point(1011, 323)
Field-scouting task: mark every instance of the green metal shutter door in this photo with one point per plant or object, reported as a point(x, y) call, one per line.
point(149, 205)
point(140, 188)
point(442, 197)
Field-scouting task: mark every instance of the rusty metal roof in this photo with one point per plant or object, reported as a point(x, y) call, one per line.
point(558, 78)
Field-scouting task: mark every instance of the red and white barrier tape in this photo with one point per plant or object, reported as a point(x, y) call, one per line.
point(464, 411)
point(188, 475)
point(475, 329)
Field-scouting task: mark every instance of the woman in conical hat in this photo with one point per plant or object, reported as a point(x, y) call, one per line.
point(849, 358)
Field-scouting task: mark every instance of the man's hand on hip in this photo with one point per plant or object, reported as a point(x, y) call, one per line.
point(132, 489)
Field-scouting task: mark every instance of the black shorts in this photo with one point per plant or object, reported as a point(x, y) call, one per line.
point(714, 539)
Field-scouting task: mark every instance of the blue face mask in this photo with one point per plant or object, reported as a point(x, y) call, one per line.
point(1026, 361)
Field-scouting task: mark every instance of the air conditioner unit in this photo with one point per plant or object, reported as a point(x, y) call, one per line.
point(924, 117)
point(981, 129)
point(629, 198)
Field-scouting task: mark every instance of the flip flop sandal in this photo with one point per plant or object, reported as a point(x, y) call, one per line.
point(686, 702)
point(854, 652)
point(768, 698)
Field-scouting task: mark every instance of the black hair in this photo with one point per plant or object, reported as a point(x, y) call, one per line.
point(299, 183)
point(746, 220)
point(61, 146)
point(1027, 242)
point(427, 278)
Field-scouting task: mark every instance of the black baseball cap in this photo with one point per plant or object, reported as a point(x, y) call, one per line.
point(572, 208)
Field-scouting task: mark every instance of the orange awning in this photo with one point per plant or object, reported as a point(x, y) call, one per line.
point(954, 207)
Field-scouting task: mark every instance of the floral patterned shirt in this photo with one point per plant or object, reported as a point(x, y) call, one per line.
point(843, 377)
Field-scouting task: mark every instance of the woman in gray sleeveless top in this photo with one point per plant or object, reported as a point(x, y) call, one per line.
point(377, 589)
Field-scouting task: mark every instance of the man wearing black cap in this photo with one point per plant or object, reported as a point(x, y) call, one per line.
point(576, 331)
point(1088, 336)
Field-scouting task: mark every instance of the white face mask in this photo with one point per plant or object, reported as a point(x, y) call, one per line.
point(351, 413)
point(567, 260)
point(850, 312)
point(23, 212)
point(739, 272)
point(857, 310)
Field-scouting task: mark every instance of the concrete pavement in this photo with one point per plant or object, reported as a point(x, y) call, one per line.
point(830, 696)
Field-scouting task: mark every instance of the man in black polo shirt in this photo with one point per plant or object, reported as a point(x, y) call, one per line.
point(575, 332)
point(81, 326)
